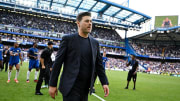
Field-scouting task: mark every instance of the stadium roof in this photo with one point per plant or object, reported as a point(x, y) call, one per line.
point(160, 34)
point(104, 10)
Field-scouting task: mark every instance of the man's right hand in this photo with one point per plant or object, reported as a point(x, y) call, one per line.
point(43, 67)
point(127, 60)
point(35, 57)
point(53, 91)
point(16, 54)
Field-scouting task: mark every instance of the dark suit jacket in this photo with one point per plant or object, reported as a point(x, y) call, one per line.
point(69, 54)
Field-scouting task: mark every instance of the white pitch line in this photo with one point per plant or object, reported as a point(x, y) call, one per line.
point(98, 97)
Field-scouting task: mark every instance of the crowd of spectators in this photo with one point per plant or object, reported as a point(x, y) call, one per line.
point(161, 68)
point(25, 39)
point(110, 50)
point(115, 63)
point(155, 67)
point(59, 27)
point(156, 50)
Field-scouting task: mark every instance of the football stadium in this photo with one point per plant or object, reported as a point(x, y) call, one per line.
point(85, 45)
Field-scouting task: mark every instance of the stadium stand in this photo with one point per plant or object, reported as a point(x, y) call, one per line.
point(19, 25)
point(156, 50)
point(156, 67)
point(24, 22)
point(23, 40)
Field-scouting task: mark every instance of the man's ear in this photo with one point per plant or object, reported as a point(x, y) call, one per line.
point(78, 23)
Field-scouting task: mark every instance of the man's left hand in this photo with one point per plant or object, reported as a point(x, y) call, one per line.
point(106, 90)
point(51, 69)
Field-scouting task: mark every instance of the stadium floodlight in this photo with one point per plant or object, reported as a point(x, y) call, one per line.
point(158, 31)
point(150, 34)
point(30, 9)
point(60, 14)
point(13, 11)
point(138, 29)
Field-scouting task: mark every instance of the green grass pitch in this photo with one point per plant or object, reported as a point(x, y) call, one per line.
point(149, 88)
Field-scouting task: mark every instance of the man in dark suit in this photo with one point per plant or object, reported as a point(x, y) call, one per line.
point(81, 57)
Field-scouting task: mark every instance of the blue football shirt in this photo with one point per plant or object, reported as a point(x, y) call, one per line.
point(33, 52)
point(105, 59)
point(1, 51)
point(15, 59)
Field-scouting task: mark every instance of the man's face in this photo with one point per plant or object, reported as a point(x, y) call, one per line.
point(85, 25)
point(167, 19)
point(104, 54)
point(16, 45)
point(132, 57)
point(35, 45)
point(50, 46)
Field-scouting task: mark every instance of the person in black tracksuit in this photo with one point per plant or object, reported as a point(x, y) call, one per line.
point(132, 72)
point(50, 65)
point(45, 67)
point(6, 56)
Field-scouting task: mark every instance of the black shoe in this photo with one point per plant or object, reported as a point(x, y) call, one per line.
point(126, 88)
point(134, 88)
point(93, 90)
point(38, 93)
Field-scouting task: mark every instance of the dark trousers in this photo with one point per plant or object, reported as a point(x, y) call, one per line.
point(44, 74)
point(5, 62)
point(1, 65)
point(76, 95)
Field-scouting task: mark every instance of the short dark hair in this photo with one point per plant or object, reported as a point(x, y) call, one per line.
point(81, 15)
point(133, 55)
point(34, 43)
point(16, 43)
point(50, 43)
